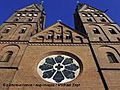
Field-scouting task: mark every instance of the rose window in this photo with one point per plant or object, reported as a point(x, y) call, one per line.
point(58, 68)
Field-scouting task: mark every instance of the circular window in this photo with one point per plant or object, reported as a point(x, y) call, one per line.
point(58, 68)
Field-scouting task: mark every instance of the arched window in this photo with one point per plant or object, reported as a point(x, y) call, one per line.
point(23, 30)
point(102, 15)
point(96, 31)
point(96, 15)
point(89, 15)
point(30, 14)
point(16, 19)
point(89, 19)
point(68, 34)
point(112, 31)
point(112, 58)
point(30, 19)
point(59, 36)
point(18, 14)
point(84, 14)
point(23, 14)
point(50, 36)
point(102, 19)
point(35, 14)
point(6, 30)
point(7, 56)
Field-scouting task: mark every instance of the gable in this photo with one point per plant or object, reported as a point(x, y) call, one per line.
point(88, 8)
point(33, 7)
point(58, 33)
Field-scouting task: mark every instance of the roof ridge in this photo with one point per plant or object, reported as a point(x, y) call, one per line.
point(82, 4)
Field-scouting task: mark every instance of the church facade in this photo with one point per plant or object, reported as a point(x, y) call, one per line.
point(33, 57)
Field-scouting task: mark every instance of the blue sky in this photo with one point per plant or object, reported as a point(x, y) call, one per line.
point(59, 9)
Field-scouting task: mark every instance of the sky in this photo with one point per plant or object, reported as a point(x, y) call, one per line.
point(60, 9)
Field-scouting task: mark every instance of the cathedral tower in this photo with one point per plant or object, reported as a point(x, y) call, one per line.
point(104, 41)
point(24, 23)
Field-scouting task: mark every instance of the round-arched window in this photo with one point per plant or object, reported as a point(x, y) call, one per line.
point(58, 68)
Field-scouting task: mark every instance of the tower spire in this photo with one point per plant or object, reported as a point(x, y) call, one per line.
point(41, 5)
point(42, 2)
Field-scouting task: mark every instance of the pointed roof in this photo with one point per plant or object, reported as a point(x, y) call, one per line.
point(63, 24)
point(33, 7)
point(86, 7)
point(54, 28)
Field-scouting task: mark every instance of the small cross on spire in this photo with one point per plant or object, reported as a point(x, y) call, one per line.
point(59, 20)
point(78, 2)
point(42, 2)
